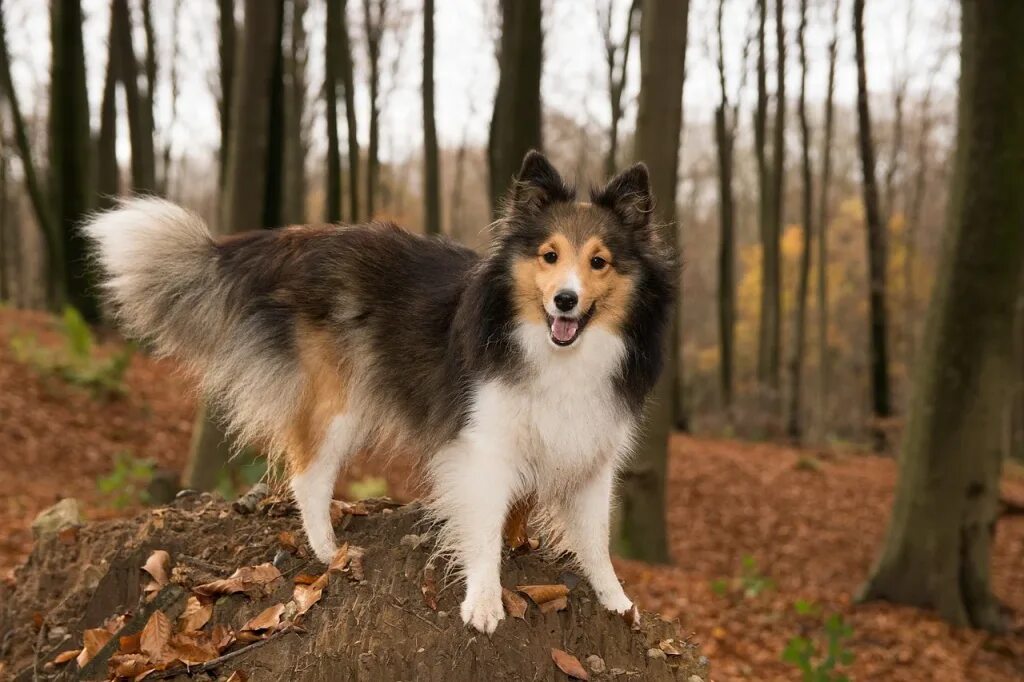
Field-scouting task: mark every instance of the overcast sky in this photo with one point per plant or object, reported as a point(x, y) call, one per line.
point(916, 39)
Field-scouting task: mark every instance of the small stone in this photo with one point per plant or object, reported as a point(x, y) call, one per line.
point(596, 664)
point(64, 514)
point(655, 653)
point(695, 678)
point(247, 503)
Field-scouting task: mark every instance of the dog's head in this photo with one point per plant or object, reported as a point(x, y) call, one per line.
point(575, 263)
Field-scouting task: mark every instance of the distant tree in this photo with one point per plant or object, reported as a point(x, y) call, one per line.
point(5, 241)
point(641, 527)
point(794, 424)
point(273, 197)
point(431, 162)
point(164, 180)
point(515, 122)
point(71, 181)
point(295, 138)
point(616, 55)
point(881, 401)
point(824, 214)
point(228, 40)
point(243, 205)
point(937, 552)
point(374, 16)
point(351, 129)
point(765, 203)
point(332, 45)
point(108, 173)
point(140, 126)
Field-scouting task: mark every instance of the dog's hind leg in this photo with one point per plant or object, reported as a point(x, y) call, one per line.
point(584, 522)
point(312, 484)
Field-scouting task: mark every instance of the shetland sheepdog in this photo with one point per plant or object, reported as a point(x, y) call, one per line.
point(522, 373)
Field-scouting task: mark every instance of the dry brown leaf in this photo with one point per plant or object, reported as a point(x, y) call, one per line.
point(65, 656)
point(238, 676)
point(569, 664)
point(195, 616)
point(305, 596)
point(669, 647)
point(305, 579)
point(221, 637)
point(267, 619)
point(92, 641)
point(155, 635)
point(249, 579)
point(130, 644)
point(340, 508)
point(556, 604)
point(340, 559)
point(156, 566)
point(131, 665)
point(191, 648)
point(515, 605)
point(542, 594)
point(287, 540)
point(516, 530)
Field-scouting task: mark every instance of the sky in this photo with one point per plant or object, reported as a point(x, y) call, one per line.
point(912, 39)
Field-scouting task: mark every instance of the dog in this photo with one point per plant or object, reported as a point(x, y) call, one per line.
point(519, 373)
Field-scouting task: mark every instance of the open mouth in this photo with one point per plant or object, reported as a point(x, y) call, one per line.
point(565, 330)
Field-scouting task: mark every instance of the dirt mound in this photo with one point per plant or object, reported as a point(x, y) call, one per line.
point(388, 615)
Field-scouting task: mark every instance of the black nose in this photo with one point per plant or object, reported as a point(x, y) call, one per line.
point(566, 300)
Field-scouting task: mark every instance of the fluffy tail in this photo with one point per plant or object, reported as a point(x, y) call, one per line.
point(163, 280)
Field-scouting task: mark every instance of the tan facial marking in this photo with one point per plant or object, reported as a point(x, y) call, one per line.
point(327, 374)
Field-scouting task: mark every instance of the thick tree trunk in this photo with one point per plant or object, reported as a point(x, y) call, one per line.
point(140, 128)
point(795, 425)
point(296, 141)
point(71, 185)
point(431, 163)
point(45, 215)
point(938, 547)
point(824, 214)
point(374, 15)
point(108, 181)
point(772, 261)
point(725, 138)
point(515, 122)
point(351, 129)
point(641, 531)
point(228, 46)
point(764, 182)
point(332, 208)
point(244, 201)
point(876, 247)
point(273, 197)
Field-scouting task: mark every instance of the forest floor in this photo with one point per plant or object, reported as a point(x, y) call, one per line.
point(754, 528)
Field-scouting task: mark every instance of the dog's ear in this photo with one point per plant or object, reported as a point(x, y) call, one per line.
point(537, 184)
point(628, 196)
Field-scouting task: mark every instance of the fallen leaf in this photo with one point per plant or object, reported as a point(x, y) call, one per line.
point(287, 540)
point(340, 508)
point(305, 596)
point(556, 604)
point(195, 616)
point(305, 579)
point(545, 594)
point(131, 665)
point(130, 644)
point(569, 664)
point(238, 676)
point(340, 559)
point(669, 647)
point(156, 566)
point(515, 605)
point(429, 587)
point(267, 619)
point(516, 531)
point(191, 648)
point(155, 635)
point(249, 579)
point(221, 637)
point(92, 641)
point(65, 656)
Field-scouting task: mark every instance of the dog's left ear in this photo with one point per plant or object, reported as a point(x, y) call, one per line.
point(628, 195)
point(537, 184)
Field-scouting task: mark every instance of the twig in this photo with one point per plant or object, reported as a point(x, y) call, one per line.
point(215, 662)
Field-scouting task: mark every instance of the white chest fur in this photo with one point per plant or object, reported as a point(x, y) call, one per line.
point(564, 420)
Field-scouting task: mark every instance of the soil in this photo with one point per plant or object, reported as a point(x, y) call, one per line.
point(811, 520)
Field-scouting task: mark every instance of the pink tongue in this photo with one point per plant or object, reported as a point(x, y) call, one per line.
point(564, 329)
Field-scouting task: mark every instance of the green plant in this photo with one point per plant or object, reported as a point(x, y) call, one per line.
point(126, 484)
point(802, 652)
point(751, 580)
point(76, 360)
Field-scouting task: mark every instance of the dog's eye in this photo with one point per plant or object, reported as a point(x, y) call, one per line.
point(598, 263)
point(550, 257)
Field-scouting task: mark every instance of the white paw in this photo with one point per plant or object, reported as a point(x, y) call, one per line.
point(483, 610)
point(324, 551)
point(619, 603)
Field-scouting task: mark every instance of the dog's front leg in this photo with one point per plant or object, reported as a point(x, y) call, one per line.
point(585, 526)
point(474, 484)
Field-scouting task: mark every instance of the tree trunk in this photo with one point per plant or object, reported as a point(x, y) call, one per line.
point(70, 141)
point(296, 140)
point(772, 256)
point(351, 129)
point(228, 47)
point(332, 208)
point(244, 202)
point(165, 166)
point(46, 217)
point(273, 197)
point(876, 243)
point(725, 138)
point(140, 128)
point(617, 60)
point(374, 14)
point(108, 181)
point(938, 547)
point(5, 248)
point(515, 122)
point(764, 182)
point(641, 531)
point(795, 427)
point(431, 164)
point(824, 214)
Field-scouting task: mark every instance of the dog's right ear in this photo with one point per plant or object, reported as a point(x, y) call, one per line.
point(537, 184)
